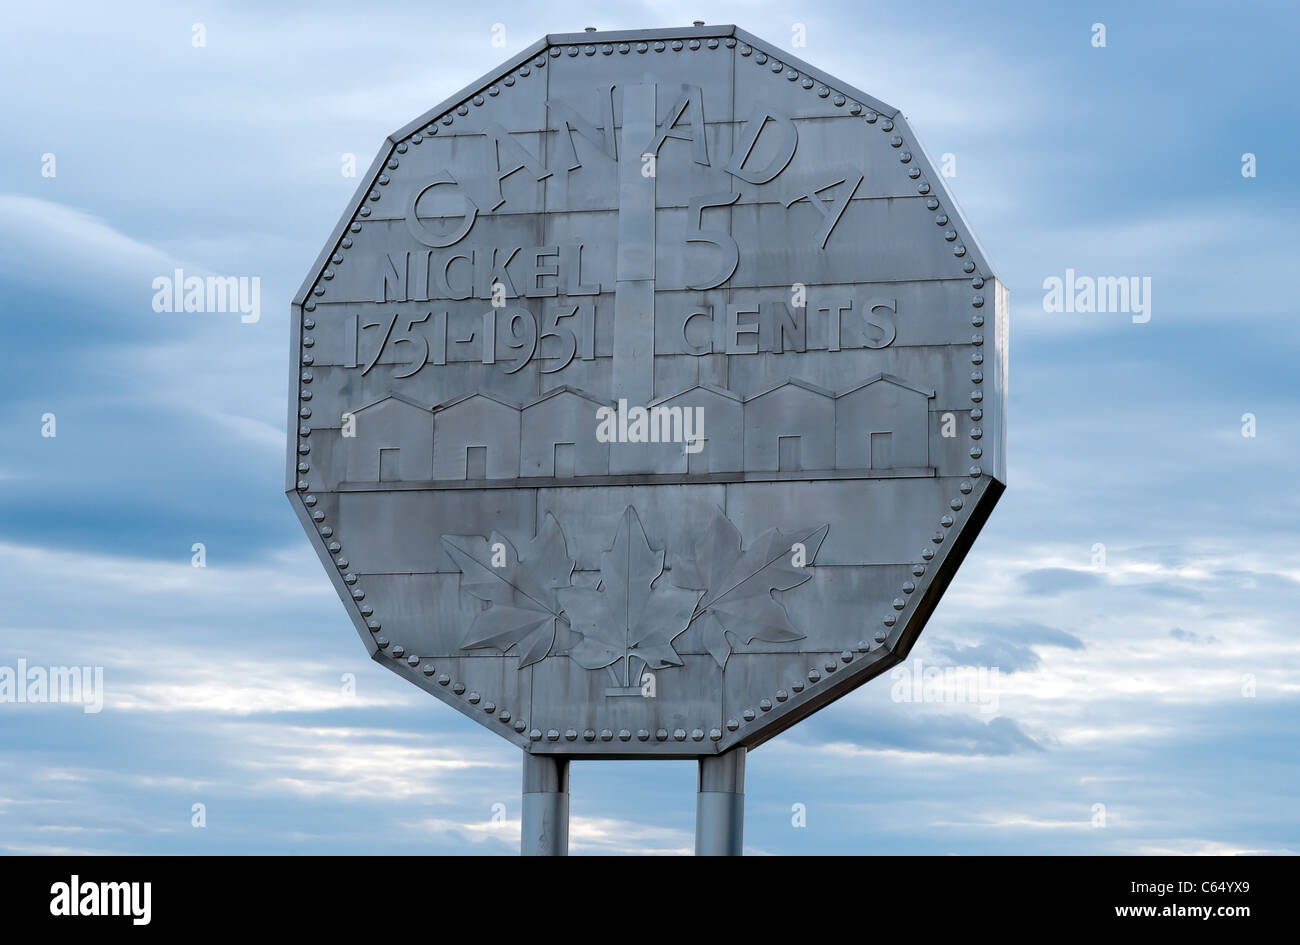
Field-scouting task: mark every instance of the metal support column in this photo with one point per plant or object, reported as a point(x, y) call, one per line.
point(720, 805)
point(545, 821)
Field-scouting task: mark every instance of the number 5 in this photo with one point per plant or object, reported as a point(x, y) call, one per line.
point(718, 238)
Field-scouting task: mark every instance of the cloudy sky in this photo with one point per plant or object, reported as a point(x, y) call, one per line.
point(1137, 588)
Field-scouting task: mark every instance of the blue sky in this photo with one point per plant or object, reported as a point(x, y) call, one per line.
point(1164, 685)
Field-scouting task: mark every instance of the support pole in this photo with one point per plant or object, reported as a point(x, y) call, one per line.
point(545, 821)
point(720, 805)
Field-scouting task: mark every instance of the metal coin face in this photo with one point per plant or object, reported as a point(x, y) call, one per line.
point(649, 393)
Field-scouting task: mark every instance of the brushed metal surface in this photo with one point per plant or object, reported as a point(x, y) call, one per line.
point(648, 394)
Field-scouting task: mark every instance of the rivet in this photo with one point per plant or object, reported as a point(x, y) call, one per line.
point(950, 235)
point(965, 487)
point(880, 636)
point(946, 520)
point(831, 666)
point(589, 735)
point(896, 141)
point(905, 157)
point(899, 603)
point(535, 735)
point(643, 734)
point(846, 656)
point(697, 734)
point(914, 172)
point(791, 75)
point(889, 620)
point(745, 50)
point(694, 44)
point(358, 595)
point(782, 695)
point(350, 578)
point(398, 652)
point(765, 705)
point(807, 83)
point(923, 188)
point(777, 65)
point(871, 117)
point(976, 377)
point(661, 734)
point(552, 735)
point(307, 377)
point(623, 47)
point(760, 58)
point(642, 47)
point(977, 320)
point(624, 735)
point(748, 715)
point(458, 688)
point(520, 725)
point(822, 91)
point(977, 395)
point(310, 500)
point(318, 516)
point(679, 734)
point(659, 46)
point(838, 101)
point(571, 734)
point(606, 735)
point(976, 452)
point(678, 45)
point(732, 725)
point(918, 569)
point(813, 675)
point(968, 266)
point(503, 716)
point(797, 685)
point(941, 219)
point(373, 626)
point(908, 587)
point(887, 125)
point(933, 204)
point(715, 734)
point(381, 642)
point(976, 433)
point(927, 553)
point(413, 660)
point(489, 707)
point(429, 669)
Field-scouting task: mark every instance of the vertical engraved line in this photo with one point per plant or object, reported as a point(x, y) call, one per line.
point(634, 286)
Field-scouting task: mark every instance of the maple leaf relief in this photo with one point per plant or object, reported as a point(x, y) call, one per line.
point(738, 584)
point(520, 589)
point(630, 613)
